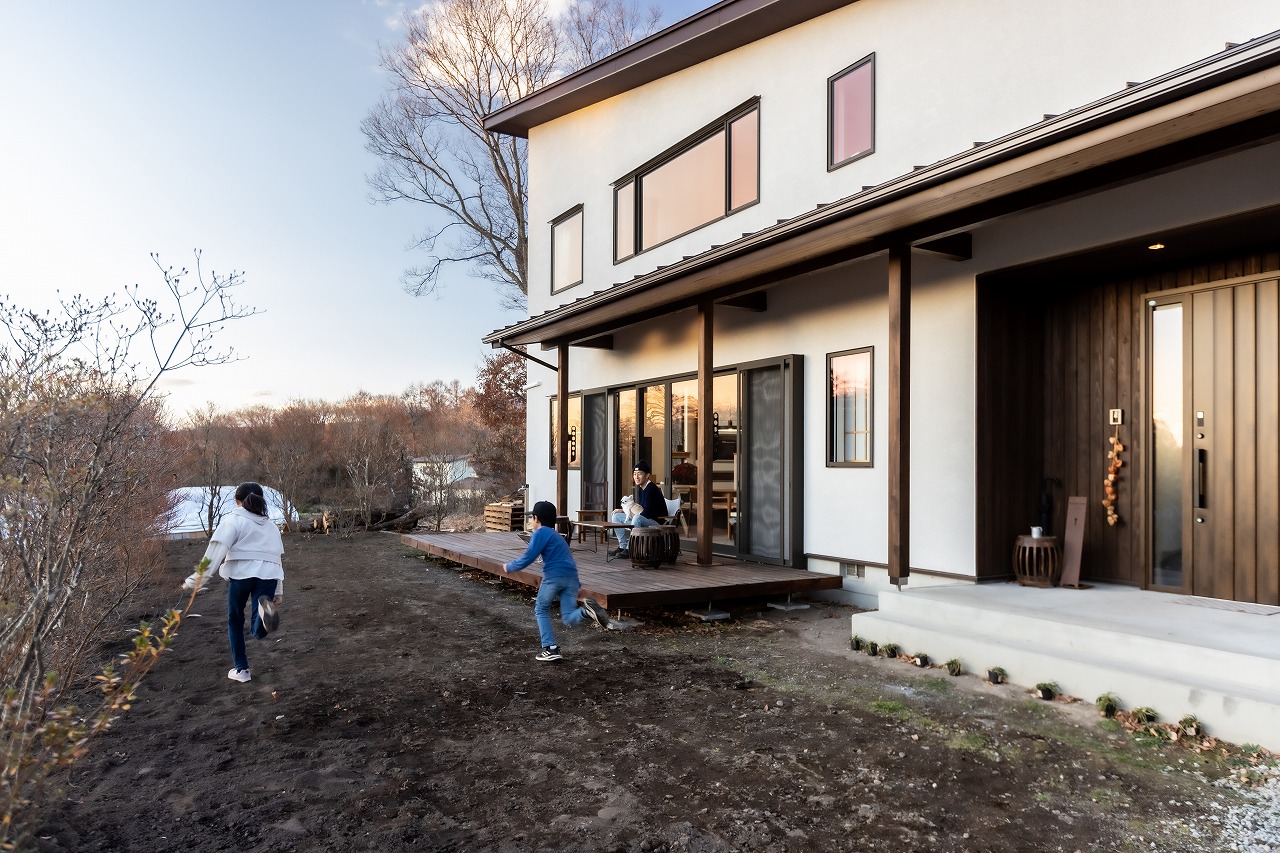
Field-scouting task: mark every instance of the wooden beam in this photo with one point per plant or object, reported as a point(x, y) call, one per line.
point(562, 432)
point(706, 400)
point(758, 301)
point(899, 414)
point(598, 342)
point(956, 247)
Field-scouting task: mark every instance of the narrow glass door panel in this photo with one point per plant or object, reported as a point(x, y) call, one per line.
point(626, 420)
point(653, 435)
point(684, 446)
point(724, 459)
point(1167, 441)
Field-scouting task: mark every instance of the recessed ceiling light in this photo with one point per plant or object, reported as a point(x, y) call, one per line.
point(1156, 246)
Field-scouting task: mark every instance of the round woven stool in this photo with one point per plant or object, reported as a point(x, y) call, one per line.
point(1037, 561)
point(652, 546)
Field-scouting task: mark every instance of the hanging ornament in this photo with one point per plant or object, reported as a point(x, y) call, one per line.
point(1113, 474)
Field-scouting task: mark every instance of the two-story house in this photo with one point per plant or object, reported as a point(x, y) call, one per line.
point(871, 283)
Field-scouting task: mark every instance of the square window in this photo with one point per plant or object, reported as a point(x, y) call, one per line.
point(849, 400)
point(851, 96)
point(566, 250)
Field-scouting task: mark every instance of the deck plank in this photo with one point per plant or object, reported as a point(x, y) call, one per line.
point(617, 584)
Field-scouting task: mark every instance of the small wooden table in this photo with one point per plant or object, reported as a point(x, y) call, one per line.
point(602, 528)
point(1037, 561)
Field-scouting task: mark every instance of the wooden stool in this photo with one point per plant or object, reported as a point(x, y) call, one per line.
point(1037, 561)
point(650, 547)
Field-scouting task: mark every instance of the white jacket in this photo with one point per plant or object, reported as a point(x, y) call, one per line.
point(244, 546)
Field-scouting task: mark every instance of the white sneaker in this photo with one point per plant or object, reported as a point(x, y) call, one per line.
point(240, 675)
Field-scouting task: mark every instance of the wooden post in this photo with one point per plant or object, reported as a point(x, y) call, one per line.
point(562, 432)
point(899, 413)
point(706, 384)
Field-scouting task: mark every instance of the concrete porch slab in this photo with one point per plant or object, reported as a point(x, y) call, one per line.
point(1176, 654)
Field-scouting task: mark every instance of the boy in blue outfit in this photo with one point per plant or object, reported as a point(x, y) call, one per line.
point(559, 580)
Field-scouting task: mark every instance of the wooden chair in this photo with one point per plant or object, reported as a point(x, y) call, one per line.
point(595, 506)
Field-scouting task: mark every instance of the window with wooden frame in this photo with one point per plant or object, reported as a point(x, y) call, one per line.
point(575, 431)
point(849, 396)
point(706, 177)
point(851, 113)
point(566, 250)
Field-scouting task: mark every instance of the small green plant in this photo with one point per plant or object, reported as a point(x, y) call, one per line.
point(890, 708)
point(920, 659)
point(870, 647)
point(997, 675)
point(1144, 715)
point(890, 650)
point(954, 666)
point(855, 643)
point(1190, 726)
point(1048, 689)
point(1107, 704)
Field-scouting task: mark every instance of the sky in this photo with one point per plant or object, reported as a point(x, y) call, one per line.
point(232, 127)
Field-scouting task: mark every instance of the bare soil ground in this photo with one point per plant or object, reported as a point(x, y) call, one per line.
point(399, 707)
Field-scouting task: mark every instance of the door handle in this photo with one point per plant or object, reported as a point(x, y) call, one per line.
point(1199, 473)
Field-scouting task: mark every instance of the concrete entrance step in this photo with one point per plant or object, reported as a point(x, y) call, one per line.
point(1120, 623)
point(1225, 699)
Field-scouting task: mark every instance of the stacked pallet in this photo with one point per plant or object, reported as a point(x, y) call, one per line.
point(504, 516)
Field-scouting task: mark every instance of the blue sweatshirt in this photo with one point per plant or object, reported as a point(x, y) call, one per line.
point(546, 543)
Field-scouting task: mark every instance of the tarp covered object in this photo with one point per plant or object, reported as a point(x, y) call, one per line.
point(190, 509)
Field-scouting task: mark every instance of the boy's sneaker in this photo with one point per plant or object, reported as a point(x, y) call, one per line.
point(267, 614)
point(240, 675)
point(596, 611)
point(619, 554)
point(547, 653)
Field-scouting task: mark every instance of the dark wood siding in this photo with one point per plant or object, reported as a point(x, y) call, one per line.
point(1052, 359)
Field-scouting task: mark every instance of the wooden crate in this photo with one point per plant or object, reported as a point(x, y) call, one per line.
point(504, 516)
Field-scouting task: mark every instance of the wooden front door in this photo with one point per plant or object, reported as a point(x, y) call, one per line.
point(1214, 440)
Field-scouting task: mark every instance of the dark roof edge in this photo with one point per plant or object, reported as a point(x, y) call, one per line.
point(715, 30)
point(1221, 68)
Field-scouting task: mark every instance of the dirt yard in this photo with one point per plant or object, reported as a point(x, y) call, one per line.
point(399, 707)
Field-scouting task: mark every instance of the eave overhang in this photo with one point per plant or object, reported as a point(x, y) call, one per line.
point(705, 35)
point(1223, 102)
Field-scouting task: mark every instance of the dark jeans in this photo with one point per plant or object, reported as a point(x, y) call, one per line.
point(240, 592)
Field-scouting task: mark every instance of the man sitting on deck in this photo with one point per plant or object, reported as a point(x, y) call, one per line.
point(650, 507)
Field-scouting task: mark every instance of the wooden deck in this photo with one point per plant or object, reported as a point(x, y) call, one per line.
point(616, 584)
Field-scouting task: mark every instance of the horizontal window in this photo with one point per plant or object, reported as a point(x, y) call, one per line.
point(851, 113)
point(849, 407)
point(711, 174)
point(566, 250)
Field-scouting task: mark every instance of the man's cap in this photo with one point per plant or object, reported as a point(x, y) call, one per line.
point(642, 465)
point(545, 512)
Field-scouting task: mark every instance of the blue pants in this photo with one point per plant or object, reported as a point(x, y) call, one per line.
point(242, 591)
point(549, 591)
point(624, 535)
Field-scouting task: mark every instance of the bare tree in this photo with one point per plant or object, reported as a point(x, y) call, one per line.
point(77, 486)
point(459, 61)
point(286, 446)
point(590, 30)
point(371, 454)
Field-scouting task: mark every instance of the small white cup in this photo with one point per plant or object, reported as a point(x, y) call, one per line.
point(1037, 532)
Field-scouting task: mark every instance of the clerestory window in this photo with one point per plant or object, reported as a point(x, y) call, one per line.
point(709, 175)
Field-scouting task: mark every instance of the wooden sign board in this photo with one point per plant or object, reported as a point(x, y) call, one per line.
point(1073, 542)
